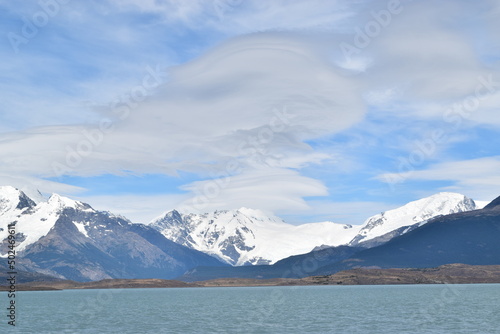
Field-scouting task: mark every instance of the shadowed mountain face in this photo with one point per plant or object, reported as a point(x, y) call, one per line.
point(468, 237)
point(250, 237)
point(494, 205)
point(107, 246)
point(69, 239)
point(22, 276)
point(297, 266)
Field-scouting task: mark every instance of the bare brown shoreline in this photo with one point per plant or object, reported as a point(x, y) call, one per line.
point(446, 274)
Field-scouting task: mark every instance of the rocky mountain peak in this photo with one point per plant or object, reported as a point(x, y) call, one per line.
point(12, 198)
point(495, 204)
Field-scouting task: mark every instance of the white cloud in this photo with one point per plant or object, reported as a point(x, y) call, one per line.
point(144, 208)
point(348, 212)
point(476, 178)
point(428, 67)
point(253, 100)
point(32, 185)
point(235, 17)
point(269, 189)
point(138, 208)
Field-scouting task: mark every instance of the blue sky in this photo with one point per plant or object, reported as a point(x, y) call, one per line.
point(311, 110)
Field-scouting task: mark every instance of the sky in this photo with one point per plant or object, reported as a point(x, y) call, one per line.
point(311, 110)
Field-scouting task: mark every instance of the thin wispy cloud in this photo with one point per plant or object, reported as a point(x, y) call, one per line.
point(273, 105)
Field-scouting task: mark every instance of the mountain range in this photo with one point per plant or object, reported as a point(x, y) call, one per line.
point(466, 237)
point(69, 239)
point(249, 237)
point(66, 239)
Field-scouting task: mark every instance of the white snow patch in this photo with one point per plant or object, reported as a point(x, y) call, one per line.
point(254, 235)
point(33, 223)
point(481, 204)
point(248, 236)
point(81, 228)
point(419, 211)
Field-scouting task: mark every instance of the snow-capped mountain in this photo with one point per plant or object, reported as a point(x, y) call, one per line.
point(465, 237)
point(69, 239)
point(33, 221)
point(389, 224)
point(246, 236)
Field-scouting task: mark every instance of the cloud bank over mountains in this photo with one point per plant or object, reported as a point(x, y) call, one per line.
point(284, 106)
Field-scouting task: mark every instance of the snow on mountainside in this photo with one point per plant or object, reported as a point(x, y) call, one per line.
point(238, 237)
point(413, 214)
point(69, 239)
point(481, 204)
point(33, 221)
point(246, 236)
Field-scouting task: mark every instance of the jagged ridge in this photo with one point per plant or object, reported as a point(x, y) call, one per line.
point(245, 236)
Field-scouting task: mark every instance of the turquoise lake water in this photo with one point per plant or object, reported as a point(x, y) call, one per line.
point(312, 309)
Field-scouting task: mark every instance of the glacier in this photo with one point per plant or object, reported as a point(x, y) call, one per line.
point(250, 237)
point(237, 237)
